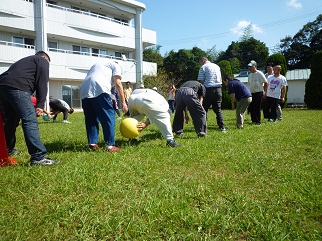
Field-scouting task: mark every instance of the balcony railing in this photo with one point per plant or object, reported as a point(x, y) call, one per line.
point(87, 13)
point(89, 54)
point(17, 45)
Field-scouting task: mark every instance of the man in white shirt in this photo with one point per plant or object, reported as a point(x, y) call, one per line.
point(276, 92)
point(257, 84)
point(269, 69)
point(147, 102)
point(95, 93)
point(210, 76)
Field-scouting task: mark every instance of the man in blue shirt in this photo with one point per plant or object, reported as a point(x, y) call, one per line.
point(241, 93)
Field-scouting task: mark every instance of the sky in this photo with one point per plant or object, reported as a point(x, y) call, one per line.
point(184, 24)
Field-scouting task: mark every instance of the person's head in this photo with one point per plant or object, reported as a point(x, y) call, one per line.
point(141, 86)
point(269, 68)
point(155, 88)
point(128, 84)
point(203, 60)
point(277, 69)
point(44, 55)
point(227, 79)
point(71, 111)
point(252, 66)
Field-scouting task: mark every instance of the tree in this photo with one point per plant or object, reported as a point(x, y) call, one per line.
point(153, 55)
point(278, 59)
point(313, 86)
point(244, 51)
point(184, 64)
point(299, 50)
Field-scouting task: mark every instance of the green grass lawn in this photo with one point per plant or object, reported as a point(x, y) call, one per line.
point(260, 183)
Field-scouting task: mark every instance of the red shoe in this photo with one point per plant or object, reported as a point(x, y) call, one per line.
point(92, 146)
point(113, 149)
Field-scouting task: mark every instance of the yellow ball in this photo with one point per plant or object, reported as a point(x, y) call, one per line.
point(128, 128)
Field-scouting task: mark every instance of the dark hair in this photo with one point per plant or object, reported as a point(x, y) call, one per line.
point(43, 53)
point(270, 64)
point(71, 111)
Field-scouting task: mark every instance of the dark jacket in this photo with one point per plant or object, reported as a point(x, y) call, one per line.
point(28, 74)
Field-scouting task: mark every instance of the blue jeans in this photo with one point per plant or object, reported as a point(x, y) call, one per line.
point(99, 110)
point(17, 105)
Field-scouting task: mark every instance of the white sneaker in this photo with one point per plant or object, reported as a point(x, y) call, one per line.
point(66, 121)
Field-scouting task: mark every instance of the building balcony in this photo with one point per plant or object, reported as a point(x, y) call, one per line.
point(70, 65)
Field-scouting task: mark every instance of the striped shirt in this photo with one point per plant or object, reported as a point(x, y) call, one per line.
point(210, 74)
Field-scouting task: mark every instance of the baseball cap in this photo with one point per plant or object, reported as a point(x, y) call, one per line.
point(252, 63)
point(155, 88)
point(141, 85)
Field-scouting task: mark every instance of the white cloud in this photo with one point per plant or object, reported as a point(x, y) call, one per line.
point(294, 4)
point(241, 25)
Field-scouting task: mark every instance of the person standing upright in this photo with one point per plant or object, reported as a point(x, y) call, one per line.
point(17, 84)
point(270, 71)
point(127, 93)
point(276, 91)
point(210, 76)
point(171, 91)
point(257, 84)
point(95, 93)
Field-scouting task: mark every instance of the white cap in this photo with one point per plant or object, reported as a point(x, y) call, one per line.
point(155, 88)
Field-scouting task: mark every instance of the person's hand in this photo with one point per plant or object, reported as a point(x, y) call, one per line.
point(125, 109)
point(39, 112)
point(141, 126)
point(282, 100)
point(186, 119)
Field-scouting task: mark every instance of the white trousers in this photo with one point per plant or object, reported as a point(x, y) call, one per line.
point(146, 102)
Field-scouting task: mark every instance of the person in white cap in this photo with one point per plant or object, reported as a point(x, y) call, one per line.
point(257, 84)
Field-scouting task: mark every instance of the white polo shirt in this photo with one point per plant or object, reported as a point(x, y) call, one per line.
point(211, 75)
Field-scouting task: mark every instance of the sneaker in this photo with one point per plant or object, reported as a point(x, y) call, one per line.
point(172, 143)
point(66, 121)
point(14, 152)
point(54, 121)
point(113, 149)
point(256, 123)
point(179, 134)
point(44, 162)
point(201, 134)
point(223, 129)
point(92, 146)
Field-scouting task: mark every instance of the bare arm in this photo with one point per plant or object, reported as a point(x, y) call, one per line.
point(283, 93)
point(119, 88)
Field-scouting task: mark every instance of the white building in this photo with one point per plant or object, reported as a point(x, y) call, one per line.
point(75, 34)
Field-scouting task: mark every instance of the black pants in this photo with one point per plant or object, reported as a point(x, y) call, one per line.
point(214, 98)
point(255, 107)
point(186, 97)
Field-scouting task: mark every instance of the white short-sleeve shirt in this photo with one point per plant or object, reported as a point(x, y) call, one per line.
point(99, 79)
point(275, 85)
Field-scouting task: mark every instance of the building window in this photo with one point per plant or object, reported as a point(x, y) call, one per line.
point(120, 55)
point(52, 2)
point(122, 20)
point(81, 50)
point(71, 94)
point(23, 42)
point(52, 46)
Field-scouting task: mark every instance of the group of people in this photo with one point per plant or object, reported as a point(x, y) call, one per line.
point(30, 75)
